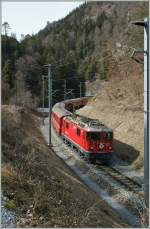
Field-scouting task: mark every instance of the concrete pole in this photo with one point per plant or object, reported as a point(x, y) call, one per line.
point(146, 111)
point(145, 24)
point(50, 99)
point(80, 89)
point(16, 93)
point(43, 92)
point(65, 87)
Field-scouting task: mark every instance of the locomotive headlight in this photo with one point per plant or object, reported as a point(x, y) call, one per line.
point(101, 146)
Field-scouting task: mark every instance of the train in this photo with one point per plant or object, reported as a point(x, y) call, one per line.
point(92, 139)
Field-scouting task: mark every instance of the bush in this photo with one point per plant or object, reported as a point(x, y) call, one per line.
point(10, 205)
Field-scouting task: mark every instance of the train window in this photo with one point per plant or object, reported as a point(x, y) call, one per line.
point(78, 132)
point(67, 125)
point(93, 136)
point(108, 136)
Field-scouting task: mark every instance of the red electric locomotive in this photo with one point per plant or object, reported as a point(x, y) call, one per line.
point(92, 139)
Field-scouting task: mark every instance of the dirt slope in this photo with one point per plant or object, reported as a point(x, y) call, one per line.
point(119, 104)
point(41, 189)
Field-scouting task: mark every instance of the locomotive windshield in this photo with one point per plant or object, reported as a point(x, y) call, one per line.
point(108, 136)
point(93, 136)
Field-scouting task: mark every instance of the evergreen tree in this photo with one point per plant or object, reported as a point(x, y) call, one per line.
point(7, 72)
point(6, 28)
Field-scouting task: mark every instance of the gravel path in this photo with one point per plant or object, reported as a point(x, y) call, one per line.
point(8, 219)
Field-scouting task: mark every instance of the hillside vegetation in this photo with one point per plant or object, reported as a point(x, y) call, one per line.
point(92, 40)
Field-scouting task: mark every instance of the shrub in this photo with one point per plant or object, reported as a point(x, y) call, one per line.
point(10, 205)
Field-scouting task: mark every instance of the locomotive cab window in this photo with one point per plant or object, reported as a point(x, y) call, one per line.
point(108, 136)
point(78, 132)
point(93, 136)
point(67, 125)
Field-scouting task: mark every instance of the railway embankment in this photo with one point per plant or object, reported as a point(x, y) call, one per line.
point(119, 105)
point(40, 189)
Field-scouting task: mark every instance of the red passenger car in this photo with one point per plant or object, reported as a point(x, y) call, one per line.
point(58, 112)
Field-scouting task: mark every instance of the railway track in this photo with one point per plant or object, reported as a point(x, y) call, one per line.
point(108, 171)
point(125, 181)
point(118, 187)
point(122, 188)
point(114, 174)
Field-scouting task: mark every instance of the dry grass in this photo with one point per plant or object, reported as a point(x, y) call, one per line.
point(45, 192)
point(119, 104)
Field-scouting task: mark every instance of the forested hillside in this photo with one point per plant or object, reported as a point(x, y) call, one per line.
point(92, 43)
